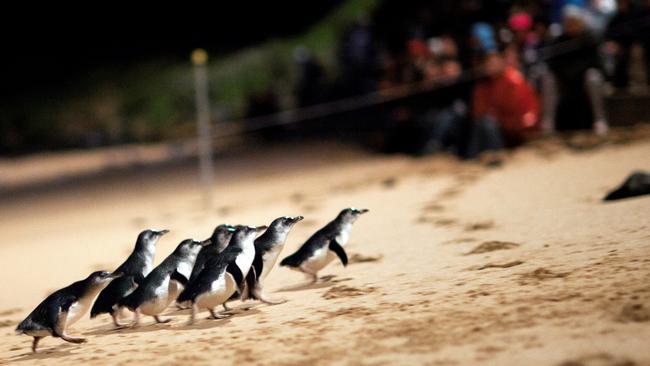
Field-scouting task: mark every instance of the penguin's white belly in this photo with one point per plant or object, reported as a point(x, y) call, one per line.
point(78, 309)
point(38, 333)
point(175, 289)
point(344, 235)
point(185, 268)
point(245, 260)
point(317, 261)
point(159, 302)
point(268, 259)
point(221, 290)
point(322, 257)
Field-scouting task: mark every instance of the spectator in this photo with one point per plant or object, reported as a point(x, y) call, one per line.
point(310, 83)
point(505, 108)
point(573, 92)
point(620, 36)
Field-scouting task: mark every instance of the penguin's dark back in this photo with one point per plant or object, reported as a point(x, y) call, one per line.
point(59, 299)
point(134, 264)
point(214, 267)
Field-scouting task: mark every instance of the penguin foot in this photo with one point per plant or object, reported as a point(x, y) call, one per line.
point(217, 316)
point(268, 301)
point(35, 344)
point(117, 323)
point(161, 321)
point(73, 339)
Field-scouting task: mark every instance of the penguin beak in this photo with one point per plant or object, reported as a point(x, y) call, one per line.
point(259, 229)
point(162, 232)
point(362, 211)
point(206, 242)
point(297, 218)
point(115, 275)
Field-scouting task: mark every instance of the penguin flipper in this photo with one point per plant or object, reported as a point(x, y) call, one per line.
point(115, 291)
point(339, 251)
point(234, 270)
point(180, 278)
point(57, 314)
point(251, 282)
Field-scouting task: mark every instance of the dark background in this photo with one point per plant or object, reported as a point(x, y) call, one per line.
point(48, 46)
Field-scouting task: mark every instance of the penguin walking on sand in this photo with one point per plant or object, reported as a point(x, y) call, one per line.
point(325, 245)
point(219, 241)
point(134, 270)
point(163, 284)
point(267, 249)
point(223, 275)
point(63, 308)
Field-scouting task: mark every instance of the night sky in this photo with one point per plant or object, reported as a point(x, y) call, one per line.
point(45, 45)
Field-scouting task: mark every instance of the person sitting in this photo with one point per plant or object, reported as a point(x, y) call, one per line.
point(505, 109)
point(574, 87)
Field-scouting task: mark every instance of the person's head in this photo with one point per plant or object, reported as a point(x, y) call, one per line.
point(574, 19)
point(450, 68)
point(622, 6)
point(483, 37)
point(432, 70)
point(493, 64)
point(520, 24)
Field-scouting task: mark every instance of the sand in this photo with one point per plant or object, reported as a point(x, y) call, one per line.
point(455, 264)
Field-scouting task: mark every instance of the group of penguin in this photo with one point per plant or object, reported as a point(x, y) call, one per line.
point(231, 265)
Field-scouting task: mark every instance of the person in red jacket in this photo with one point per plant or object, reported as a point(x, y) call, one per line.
point(504, 106)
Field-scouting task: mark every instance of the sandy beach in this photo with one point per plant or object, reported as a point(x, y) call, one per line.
point(456, 263)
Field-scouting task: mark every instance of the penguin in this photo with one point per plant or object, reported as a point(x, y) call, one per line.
point(63, 308)
point(267, 249)
point(325, 245)
point(223, 275)
point(134, 270)
point(163, 284)
point(636, 184)
point(220, 239)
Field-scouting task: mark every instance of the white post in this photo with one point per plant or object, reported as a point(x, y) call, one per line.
point(204, 134)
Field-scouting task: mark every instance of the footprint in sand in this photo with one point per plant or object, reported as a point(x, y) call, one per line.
point(437, 221)
point(599, 359)
point(460, 241)
point(479, 225)
point(490, 246)
point(433, 207)
point(338, 292)
point(634, 313)
point(359, 258)
point(8, 323)
point(497, 265)
point(389, 183)
point(540, 274)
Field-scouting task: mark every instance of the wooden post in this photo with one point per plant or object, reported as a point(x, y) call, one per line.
point(204, 131)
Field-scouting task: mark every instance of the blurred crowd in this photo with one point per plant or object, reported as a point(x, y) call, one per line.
point(492, 74)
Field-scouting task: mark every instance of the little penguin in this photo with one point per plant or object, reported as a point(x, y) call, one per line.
point(220, 239)
point(223, 275)
point(325, 245)
point(63, 308)
point(267, 249)
point(161, 286)
point(136, 267)
point(637, 184)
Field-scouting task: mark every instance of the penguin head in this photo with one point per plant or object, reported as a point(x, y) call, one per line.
point(150, 237)
point(189, 247)
point(284, 223)
point(244, 232)
point(350, 215)
point(221, 235)
point(101, 278)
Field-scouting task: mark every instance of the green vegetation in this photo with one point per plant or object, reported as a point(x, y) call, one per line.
point(155, 101)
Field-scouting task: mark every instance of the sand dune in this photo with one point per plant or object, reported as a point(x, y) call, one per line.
point(456, 264)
